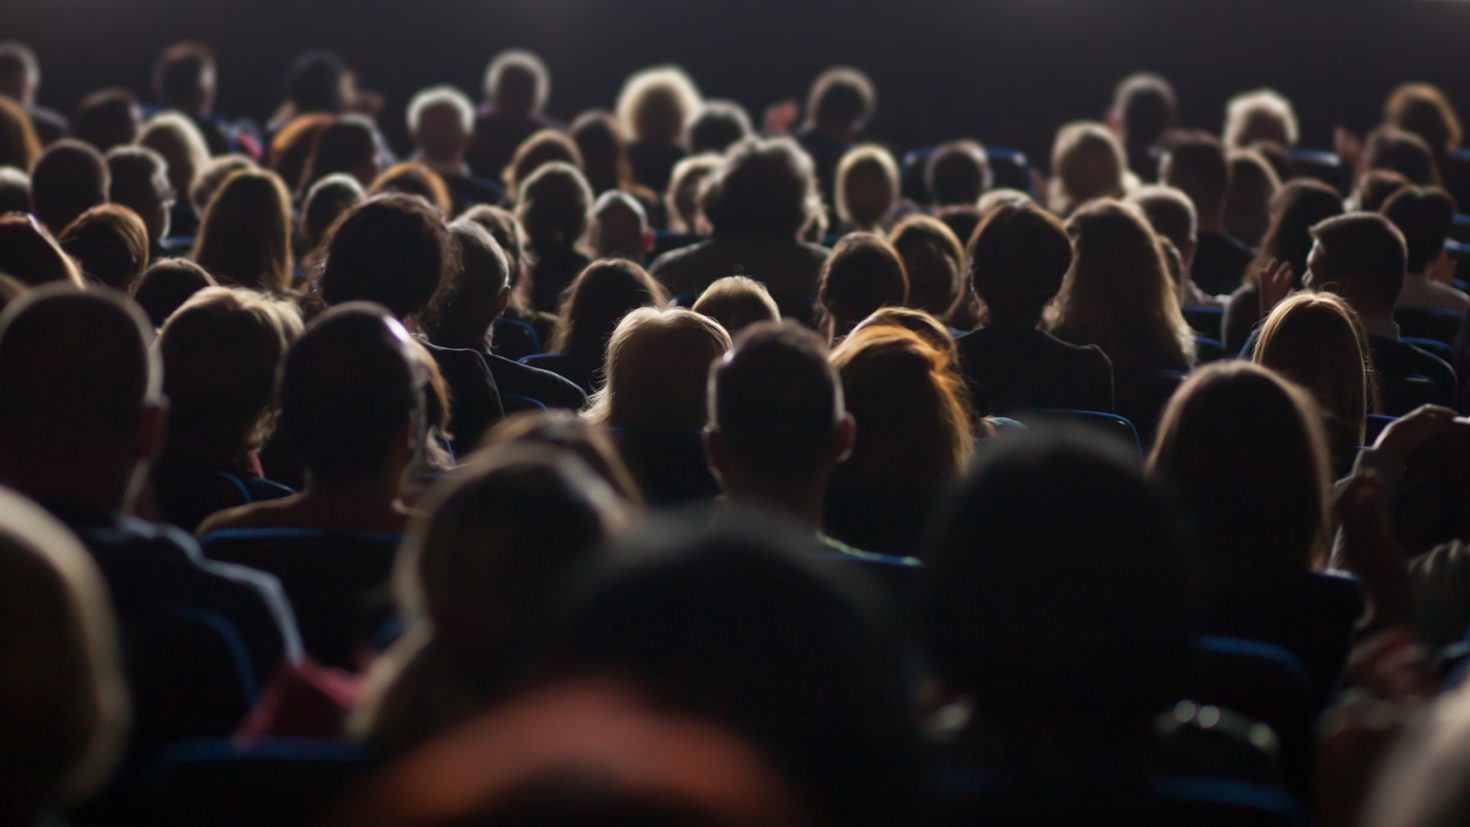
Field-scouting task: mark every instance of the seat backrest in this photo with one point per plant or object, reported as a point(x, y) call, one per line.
point(519, 404)
point(525, 330)
point(1322, 165)
point(1376, 424)
point(1115, 426)
point(1441, 325)
point(1208, 350)
point(1010, 168)
point(1141, 397)
point(1433, 347)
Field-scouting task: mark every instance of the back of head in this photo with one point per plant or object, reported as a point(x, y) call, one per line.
point(348, 144)
point(174, 136)
point(469, 301)
point(245, 233)
point(598, 298)
point(603, 151)
point(657, 366)
point(391, 249)
point(215, 173)
point(316, 82)
point(1195, 163)
point(19, 145)
point(925, 326)
point(621, 228)
point(1253, 183)
point(1404, 153)
point(776, 402)
point(348, 392)
point(221, 350)
point(1145, 107)
point(414, 178)
point(63, 705)
point(548, 146)
point(1113, 567)
point(566, 433)
point(110, 244)
point(866, 190)
point(183, 76)
point(1170, 212)
point(863, 274)
point(1424, 110)
point(107, 118)
point(718, 125)
point(841, 99)
point(20, 72)
point(933, 258)
point(167, 284)
point(441, 120)
point(684, 196)
point(1375, 187)
point(517, 82)
point(1362, 256)
point(957, 172)
point(1018, 257)
point(655, 104)
point(505, 229)
point(737, 302)
point(1086, 162)
point(140, 182)
point(554, 206)
point(15, 190)
point(1424, 215)
point(764, 187)
point(326, 202)
point(69, 177)
point(1297, 207)
point(1259, 115)
point(29, 254)
point(1317, 341)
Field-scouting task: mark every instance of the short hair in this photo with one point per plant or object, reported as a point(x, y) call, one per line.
point(68, 178)
point(348, 388)
point(15, 190)
point(1424, 215)
point(167, 284)
point(933, 259)
point(616, 205)
point(545, 146)
point(326, 201)
point(182, 72)
point(414, 178)
point(505, 229)
point(135, 173)
point(174, 136)
point(1019, 256)
point(1253, 183)
point(1195, 164)
point(597, 299)
point(245, 233)
point(685, 193)
point(957, 172)
point(1375, 187)
point(656, 102)
point(861, 275)
point(347, 144)
point(518, 82)
point(465, 307)
point(1145, 107)
point(657, 367)
point(765, 186)
point(1423, 109)
point(554, 205)
point(213, 174)
point(718, 124)
point(1365, 256)
point(1317, 341)
point(391, 249)
point(737, 302)
point(1087, 162)
point(18, 66)
point(922, 324)
point(1259, 115)
point(843, 97)
point(314, 82)
point(110, 244)
point(106, 118)
point(29, 254)
point(1297, 206)
point(1169, 211)
point(602, 150)
point(872, 163)
point(19, 146)
point(776, 401)
point(442, 96)
point(1402, 152)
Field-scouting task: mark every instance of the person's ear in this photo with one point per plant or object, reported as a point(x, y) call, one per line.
point(844, 436)
point(502, 301)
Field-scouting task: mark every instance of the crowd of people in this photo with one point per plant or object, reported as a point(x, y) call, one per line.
point(688, 465)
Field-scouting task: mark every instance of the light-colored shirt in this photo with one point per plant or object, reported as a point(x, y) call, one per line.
point(1422, 291)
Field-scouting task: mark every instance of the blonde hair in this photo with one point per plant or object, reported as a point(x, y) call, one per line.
point(686, 192)
point(656, 103)
point(657, 365)
point(921, 324)
point(245, 232)
point(737, 302)
point(1087, 162)
point(179, 141)
point(873, 162)
point(1259, 115)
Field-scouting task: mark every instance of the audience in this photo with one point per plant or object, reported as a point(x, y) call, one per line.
point(325, 202)
point(620, 228)
point(245, 233)
point(718, 125)
point(1259, 115)
point(178, 140)
point(140, 182)
point(737, 302)
point(1424, 215)
point(184, 80)
point(1145, 108)
point(414, 178)
point(1253, 183)
point(957, 173)
point(15, 191)
point(20, 78)
point(602, 294)
point(107, 118)
point(1195, 163)
point(30, 255)
point(19, 146)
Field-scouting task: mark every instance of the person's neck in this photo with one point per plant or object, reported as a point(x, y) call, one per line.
point(364, 497)
point(1211, 225)
point(454, 165)
point(803, 500)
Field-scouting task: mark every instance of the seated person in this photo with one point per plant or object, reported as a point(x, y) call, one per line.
point(140, 183)
point(325, 202)
point(1424, 215)
point(167, 284)
point(517, 84)
point(867, 189)
point(69, 178)
point(1194, 162)
point(109, 244)
point(555, 208)
point(934, 260)
point(597, 300)
point(1171, 214)
point(441, 123)
point(655, 105)
point(957, 173)
point(737, 302)
point(839, 104)
point(526, 331)
point(1019, 256)
point(620, 228)
point(864, 274)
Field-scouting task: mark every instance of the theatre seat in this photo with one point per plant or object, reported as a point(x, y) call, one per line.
point(1323, 166)
point(1114, 426)
point(1206, 320)
point(1425, 323)
point(669, 466)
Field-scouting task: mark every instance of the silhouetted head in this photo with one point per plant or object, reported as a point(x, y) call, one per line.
point(863, 274)
point(391, 249)
point(1194, 162)
point(30, 255)
point(1362, 257)
point(737, 302)
point(473, 295)
point(1424, 215)
point(19, 146)
point(245, 233)
point(140, 182)
point(957, 172)
point(655, 103)
point(441, 121)
point(1087, 162)
point(842, 100)
point(764, 187)
point(657, 366)
point(934, 260)
point(326, 201)
point(866, 188)
point(1144, 108)
point(1424, 110)
point(597, 299)
point(1018, 258)
point(1297, 207)
point(718, 125)
point(184, 77)
point(317, 82)
point(517, 83)
point(110, 245)
point(414, 178)
point(179, 141)
point(167, 284)
point(107, 118)
point(68, 178)
point(1259, 115)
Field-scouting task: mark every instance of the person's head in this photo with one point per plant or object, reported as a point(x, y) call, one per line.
point(1118, 294)
point(1171, 214)
point(221, 351)
point(291, 148)
point(656, 367)
point(350, 396)
point(841, 101)
point(20, 72)
point(1424, 110)
point(502, 225)
point(718, 125)
point(63, 702)
point(179, 141)
point(475, 292)
point(1375, 187)
point(140, 182)
point(107, 118)
point(565, 433)
point(1087, 162)
point(1194, 163)
point(318, 81)
point(1245, 451)
point(390, 249)
point(349, 144)
point(1317, 341)
point(555, 207)
point(68, 178)
point(1144, 108)
point(862, 274)
point(19, 146)
point(245, 232)
point(547, 146)
point(603, 150)
point(1403, 152)
point(166, 285)
point(620, 227)
point(1363, 258)
point(737, 302)
point(1424, 215)
point(214, 173)
point(925, 326)
point(517, 83)
point(1253, 183)
point(685, 193)
point(31, 256)
point(441, 122)
point(655, 103)
point(1259, 115)
point(15, 190)
point(1106, 547)
point(597, 299)
point(109, 244)
point(414, 178)
point(933, 259)
point(1297, 207)
point(184, 77)
point(325, 202)
point(957, 172)
point(763, 187)
point(866, 187)
point(1019, 256)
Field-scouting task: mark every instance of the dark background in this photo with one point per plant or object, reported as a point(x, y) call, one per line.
point(1005, 71)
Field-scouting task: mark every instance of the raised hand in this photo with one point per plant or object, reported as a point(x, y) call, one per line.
point(1274, 284)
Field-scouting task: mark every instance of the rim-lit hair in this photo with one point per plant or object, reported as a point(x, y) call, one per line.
point(764, 187)
point(737, 302)
point(442, 96)
point(655, 103)
point(597, 299)
point(1087, 162)
point(179, 141)
point(245, 232)
point(19, 146)
point(1422, 108)
point(874, 163)
point(518, 80)
point(842, 96)
point(1259, 115)
point(656, 367)
point(413, 178)
point(1317, 340)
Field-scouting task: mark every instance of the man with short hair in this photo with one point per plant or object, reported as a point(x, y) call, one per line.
point(20, 77)
point(1144, 109)
point(1171, 214)
point(1424, 215)
point(517, 84)
point(841, 102)
point(184, 80)
point(1194, 162)
point(69, 178)
point(140, 183)
point(441, 123)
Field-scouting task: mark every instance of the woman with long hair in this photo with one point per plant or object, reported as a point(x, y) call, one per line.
point(245, 234)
